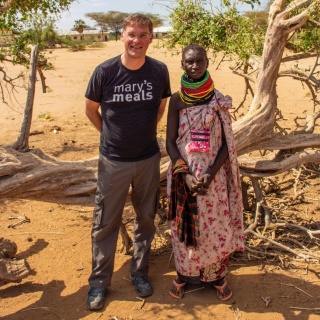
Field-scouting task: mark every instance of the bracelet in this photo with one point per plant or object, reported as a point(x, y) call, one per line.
point(174, 160)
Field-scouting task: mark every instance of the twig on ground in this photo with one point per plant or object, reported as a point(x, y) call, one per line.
point(38, 232)
point(81, 268)
point(311, 233)
point(237, 314)
point(194, 290)
point(291, 285)
point(143, 302)
point(267, 300)
point(303, 256)
point(22, 219)
point(43, 308)
point(300, 308)
point(171, 255)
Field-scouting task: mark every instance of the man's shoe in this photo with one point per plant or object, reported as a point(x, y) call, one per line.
point(95, 300)
point(142, 285)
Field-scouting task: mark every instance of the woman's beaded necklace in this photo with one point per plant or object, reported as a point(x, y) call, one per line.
point(196, 92)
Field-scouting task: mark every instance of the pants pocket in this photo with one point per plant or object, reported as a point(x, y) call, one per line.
point(98, 210)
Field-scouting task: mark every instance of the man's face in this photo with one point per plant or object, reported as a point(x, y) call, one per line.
point(136, 40)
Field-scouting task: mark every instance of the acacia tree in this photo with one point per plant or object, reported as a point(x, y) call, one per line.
point(99, 19)
point(113, 20)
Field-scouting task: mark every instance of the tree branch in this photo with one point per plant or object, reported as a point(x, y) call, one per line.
point(265, 168)
point(7, 5)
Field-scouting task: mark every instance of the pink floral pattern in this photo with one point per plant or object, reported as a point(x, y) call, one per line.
point(220, 211)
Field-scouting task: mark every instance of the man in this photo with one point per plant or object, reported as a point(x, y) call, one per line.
point(125, 99)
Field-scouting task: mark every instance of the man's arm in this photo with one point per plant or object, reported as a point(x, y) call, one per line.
point(92, 112)
point(162, 107)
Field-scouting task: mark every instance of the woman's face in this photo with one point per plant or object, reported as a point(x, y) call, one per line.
point(195, 64)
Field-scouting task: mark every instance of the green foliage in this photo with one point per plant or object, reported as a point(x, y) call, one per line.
point(191, 23)
point(226, 30)
point(307, 38)
point(95, 44)
point(259, 18)
point(77, 46)
point(49, 36)
point(45, 115)
point(20, 11)
point(243, 36)
point(68, 42)
point(40, 31)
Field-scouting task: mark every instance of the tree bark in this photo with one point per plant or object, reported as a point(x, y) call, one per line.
point(22, 143)
point(13, 270)
point(10, 269)
point(37, 176)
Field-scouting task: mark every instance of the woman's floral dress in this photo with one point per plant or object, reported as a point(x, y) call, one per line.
point(220, 211)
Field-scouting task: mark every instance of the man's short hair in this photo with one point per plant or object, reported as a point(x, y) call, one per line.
point(137, 18)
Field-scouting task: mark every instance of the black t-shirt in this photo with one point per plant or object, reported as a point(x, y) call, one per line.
point(129, 101)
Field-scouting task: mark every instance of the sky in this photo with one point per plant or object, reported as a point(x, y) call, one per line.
point(79, 8)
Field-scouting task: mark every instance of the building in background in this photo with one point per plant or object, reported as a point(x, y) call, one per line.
point(89, 34)
point(161, 32)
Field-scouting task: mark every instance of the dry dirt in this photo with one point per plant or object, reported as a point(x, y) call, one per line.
point(56, 241)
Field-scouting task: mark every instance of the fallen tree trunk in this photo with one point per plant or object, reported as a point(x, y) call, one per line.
point(37, 176)
point(13, 270)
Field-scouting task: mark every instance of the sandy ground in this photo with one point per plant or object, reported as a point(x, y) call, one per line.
point(56, 242)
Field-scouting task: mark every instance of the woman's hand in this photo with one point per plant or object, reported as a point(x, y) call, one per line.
point(206, 180)
point(195, 185)
point(191, 182)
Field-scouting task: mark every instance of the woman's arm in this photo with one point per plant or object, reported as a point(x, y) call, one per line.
point(172, 128)
point(171, 139)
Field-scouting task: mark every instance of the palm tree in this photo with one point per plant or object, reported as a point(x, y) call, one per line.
point(79, 26)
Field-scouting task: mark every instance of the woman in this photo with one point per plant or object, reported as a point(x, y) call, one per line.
point(204, 188)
